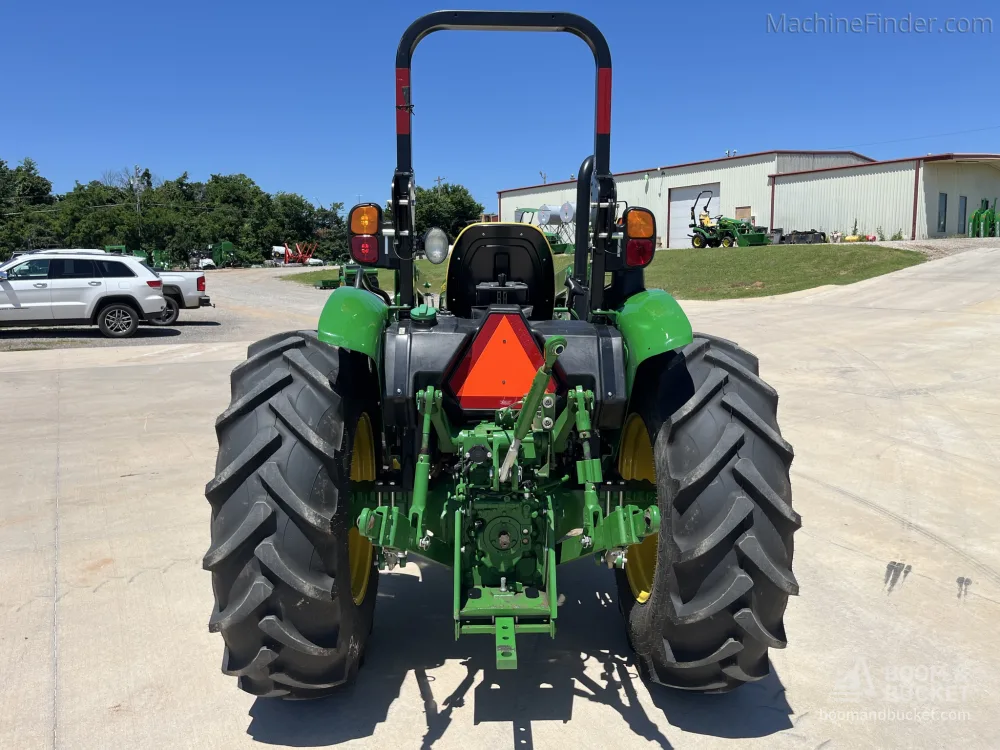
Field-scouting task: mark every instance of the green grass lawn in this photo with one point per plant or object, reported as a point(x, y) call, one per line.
point(720, 273)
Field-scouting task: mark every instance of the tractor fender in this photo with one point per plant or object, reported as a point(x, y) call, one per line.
point(354, 319)
point(651, 322)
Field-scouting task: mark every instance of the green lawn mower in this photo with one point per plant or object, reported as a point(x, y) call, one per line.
point(723, 231)
point(503, 434)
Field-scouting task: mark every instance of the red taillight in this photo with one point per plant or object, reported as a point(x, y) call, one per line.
point(155, 283)
point(201, 283)
point(499, 367)
point(638, 253)
point(364, 248)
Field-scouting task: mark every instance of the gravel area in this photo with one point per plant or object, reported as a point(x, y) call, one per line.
point(944, 247)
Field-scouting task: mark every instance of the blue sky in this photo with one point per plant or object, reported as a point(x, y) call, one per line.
point(299, 94)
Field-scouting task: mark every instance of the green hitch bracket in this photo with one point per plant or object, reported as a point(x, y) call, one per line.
point(458, 573)
point(627, 525)
point(386, 527)
point(506, 643)
point(427, 404)
point(588, 470)
point(550, 531)
point(554, 347)
point(441, 425)
point(564, 426)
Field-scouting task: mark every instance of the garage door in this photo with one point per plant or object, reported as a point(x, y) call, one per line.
point(680, 211)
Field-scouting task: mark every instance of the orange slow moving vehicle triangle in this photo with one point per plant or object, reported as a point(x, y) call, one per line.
point(500, 366)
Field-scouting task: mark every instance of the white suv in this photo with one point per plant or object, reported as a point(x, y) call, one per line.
point(79, 288)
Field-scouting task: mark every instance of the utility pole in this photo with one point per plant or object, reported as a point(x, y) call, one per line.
point(545, 177)
point(137, 188)
point(359, 197)
point(439, 180)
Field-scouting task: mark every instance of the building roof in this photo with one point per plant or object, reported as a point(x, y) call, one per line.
point(928, 157)
point(697, 163)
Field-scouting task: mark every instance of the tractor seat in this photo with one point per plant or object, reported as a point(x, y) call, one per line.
point(501, 264)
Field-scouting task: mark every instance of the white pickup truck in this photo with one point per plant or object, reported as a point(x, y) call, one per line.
point(181, 289)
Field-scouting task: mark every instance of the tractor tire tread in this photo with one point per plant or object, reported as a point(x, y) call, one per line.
point(280, 520)
point(723, 572)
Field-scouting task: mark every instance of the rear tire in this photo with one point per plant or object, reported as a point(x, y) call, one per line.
point(118, 320)
point(705, 599)
point(170, 313)
point(295, 593)
point(697, 241)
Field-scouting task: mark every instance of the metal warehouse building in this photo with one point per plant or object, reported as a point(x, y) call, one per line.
point(921, 197)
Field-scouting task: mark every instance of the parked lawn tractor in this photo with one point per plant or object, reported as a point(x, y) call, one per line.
point(723, 231)
point(501, 435)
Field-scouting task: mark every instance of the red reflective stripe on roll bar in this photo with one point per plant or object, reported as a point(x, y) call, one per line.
point(604, 101)
point(402, 113)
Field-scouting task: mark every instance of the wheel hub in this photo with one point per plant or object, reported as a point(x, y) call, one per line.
point(118, 320)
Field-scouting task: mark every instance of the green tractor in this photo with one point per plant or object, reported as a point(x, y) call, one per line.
point(723, 231)
point(502, 434)
point(158, 258)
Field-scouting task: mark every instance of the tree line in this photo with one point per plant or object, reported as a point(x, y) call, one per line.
point(137, 210)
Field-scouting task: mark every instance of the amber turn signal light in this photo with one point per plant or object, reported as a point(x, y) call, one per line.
point(640, 224)
point(366, 218)
point(640, 236)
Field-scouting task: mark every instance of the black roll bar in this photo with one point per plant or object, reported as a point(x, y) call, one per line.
point(476, 20)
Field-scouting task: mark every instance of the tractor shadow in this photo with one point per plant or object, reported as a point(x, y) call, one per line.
point(414, 633)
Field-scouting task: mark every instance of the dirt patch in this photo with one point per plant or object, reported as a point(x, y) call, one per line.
point(98, 564)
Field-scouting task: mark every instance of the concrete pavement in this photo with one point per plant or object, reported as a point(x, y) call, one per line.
point(890, 394)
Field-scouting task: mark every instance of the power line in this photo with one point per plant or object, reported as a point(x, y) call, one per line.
point(923, 137)
point(60, 208)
